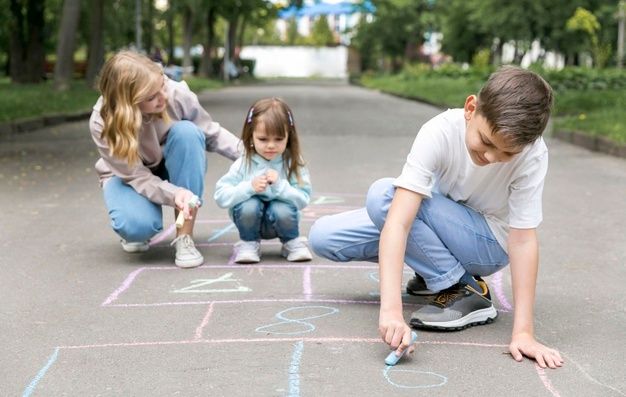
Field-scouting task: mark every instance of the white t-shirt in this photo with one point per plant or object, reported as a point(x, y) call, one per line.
point(507, 194)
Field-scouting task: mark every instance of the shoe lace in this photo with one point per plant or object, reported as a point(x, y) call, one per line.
point(445, 297)
point(186, 241)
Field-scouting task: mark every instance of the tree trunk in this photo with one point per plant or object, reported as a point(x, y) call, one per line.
point(170, 34)
point(95, 59)
point(64, 67)
point(232, 36)
point(187, 37)
point(206, 65)
point(27, 54)
point(148, 27)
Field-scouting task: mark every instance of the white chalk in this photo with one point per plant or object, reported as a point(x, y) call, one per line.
point(392, 358)
point(193, 203)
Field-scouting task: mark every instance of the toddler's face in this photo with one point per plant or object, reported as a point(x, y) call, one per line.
point(268, 146)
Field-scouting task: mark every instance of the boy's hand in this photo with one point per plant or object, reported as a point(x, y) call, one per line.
point(259, 183)
point(395, 332)
point(526, 345)
point(272, 176)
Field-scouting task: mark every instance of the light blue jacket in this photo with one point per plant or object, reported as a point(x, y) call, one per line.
point(236, 186)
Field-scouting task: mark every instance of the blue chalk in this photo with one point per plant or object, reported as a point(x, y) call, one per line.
point(392, 358)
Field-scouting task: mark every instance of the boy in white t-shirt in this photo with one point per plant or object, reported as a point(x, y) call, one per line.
point(466, 204)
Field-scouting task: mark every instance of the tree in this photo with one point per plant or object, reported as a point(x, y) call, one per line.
point(95, 58)
point(321, 35)
point(64, 66)
point(26, 38)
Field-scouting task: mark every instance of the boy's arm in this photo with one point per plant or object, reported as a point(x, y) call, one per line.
point(391, 325)
point(524, 257)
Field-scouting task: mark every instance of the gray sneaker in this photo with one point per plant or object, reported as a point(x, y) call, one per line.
point(417, 286)
point(186, 253)
point(456, 308)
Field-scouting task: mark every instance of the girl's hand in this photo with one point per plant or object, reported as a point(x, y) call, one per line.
point(181, 199)
point(395, 332)
point(272, 176)
point(259, 183)
point(526, 345)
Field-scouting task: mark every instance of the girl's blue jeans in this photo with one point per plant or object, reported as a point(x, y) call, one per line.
point(257, 219)
point(446, 239)
point(133, 216)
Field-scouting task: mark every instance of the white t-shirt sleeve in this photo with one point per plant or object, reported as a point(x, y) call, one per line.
point(525, 208)
point(423, 159)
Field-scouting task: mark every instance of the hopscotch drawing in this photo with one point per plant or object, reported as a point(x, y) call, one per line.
point(305, 328)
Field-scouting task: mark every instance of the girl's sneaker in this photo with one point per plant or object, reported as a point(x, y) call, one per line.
point(186, 253)
point(248, 252)
point(130, 246)
point(296, 250)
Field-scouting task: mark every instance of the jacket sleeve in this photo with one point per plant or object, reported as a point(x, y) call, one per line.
point(292, 192)
point(232, 188)
point(218, 139)
point(138, 176)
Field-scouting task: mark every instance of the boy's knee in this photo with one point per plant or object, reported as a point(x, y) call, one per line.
point(378, 199)
point(319, 237)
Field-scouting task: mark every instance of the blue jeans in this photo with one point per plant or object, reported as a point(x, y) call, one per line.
point(257, 219)
point(446, 239)
point(133, 216)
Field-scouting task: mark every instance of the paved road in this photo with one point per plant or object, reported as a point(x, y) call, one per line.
point(81, 317)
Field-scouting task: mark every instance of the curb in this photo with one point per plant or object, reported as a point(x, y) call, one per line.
point(590, 142)
point(31, 124)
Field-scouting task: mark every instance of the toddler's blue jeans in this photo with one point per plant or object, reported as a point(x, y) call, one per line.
point(446, 239)
point(257, 219)
point(133, 216)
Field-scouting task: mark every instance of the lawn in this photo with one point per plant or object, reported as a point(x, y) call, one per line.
point(593, 112)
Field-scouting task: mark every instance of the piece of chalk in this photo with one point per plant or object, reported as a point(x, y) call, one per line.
point(193, 203)
point(392, 358)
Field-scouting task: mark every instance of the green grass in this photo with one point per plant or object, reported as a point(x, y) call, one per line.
point(592, 112)
point(24, 101)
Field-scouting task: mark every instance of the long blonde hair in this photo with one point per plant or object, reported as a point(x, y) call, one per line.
point(126, 80)
point(278, 120)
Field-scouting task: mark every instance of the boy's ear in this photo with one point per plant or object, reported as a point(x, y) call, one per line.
point(470, 106)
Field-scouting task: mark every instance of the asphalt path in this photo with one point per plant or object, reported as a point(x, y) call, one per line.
point(80, 317)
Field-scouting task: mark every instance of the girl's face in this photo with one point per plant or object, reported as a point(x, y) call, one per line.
point(268, 146)
point(156, 101)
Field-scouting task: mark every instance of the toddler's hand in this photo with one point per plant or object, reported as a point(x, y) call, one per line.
point(259, 183)
point(272, 176)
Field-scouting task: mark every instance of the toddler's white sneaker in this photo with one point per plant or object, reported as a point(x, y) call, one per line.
point(296, 250)
point(186, 253)
point(248, 252)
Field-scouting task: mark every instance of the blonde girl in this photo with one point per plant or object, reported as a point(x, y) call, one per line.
point(266, 188)
point(152, 135)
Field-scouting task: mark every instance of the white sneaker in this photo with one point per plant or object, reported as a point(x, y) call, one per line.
point(186, 253)
point(141, 246)
point(296, 250)
point(248, 252)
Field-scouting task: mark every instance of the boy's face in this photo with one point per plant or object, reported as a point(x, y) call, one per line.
point(483, 145)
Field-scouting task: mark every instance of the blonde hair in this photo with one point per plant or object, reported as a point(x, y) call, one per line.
point(278, 121)
point(126, 80)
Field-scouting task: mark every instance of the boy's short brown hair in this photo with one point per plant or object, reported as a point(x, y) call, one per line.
point(516, 103)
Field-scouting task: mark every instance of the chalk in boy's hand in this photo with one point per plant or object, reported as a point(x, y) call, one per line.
point(193, 202)
point(393, 358)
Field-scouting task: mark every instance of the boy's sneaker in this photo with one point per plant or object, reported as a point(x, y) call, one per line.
point(417, 286)
point(141, 246)
point(186, 253)
point(455, 308)
point(248, 252)
point(296, 250)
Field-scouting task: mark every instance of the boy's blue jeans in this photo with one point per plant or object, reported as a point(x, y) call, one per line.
point(133, 216)
point(446, 239)
point(257, 219)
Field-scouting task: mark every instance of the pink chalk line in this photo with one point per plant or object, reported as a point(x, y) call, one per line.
point(239, 301)
point(546, 382)
point(306, 283)
point(129, 279)
point(260, 340)
point(204, 322)
point(499, 292)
